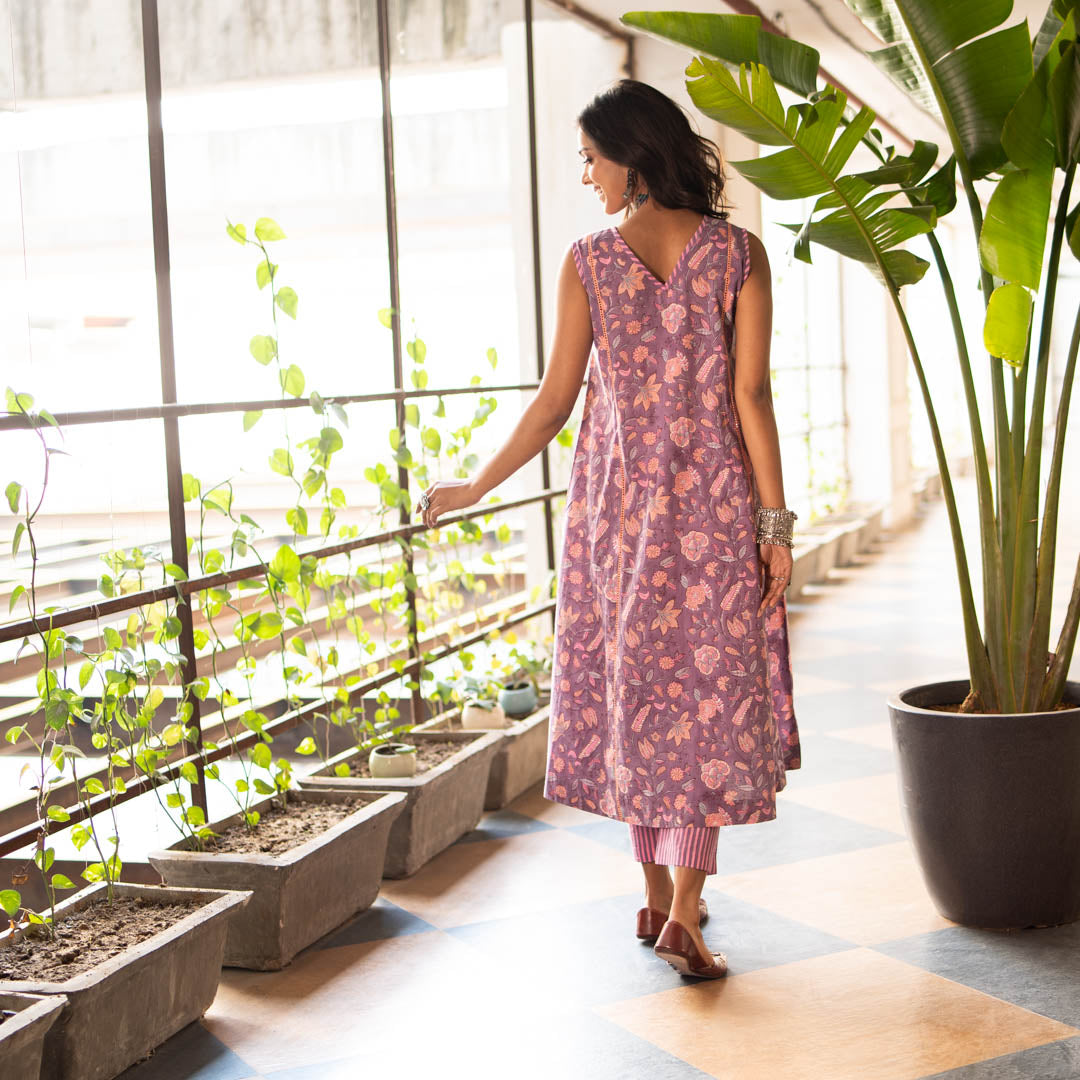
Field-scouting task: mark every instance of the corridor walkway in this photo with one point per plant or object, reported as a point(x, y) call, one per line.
point(512, 954)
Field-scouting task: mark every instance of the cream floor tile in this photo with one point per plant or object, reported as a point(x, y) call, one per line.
point(804, 683)
point(852, 1015)
point(879, 735)
point(867, 896)
point(870, 800)
point(494, 879)
point(332, 1003)
point(809, 647)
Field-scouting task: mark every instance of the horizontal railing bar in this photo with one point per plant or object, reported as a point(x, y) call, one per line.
point(223, 717)
point(80, 812)
point(164, 412)
point(57, 619)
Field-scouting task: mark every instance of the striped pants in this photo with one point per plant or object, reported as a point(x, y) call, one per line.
point(693, 846)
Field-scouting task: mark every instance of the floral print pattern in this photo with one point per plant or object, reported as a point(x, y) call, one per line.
point(671, 701)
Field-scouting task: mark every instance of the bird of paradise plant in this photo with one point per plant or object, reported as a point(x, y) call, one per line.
point(1011, 107)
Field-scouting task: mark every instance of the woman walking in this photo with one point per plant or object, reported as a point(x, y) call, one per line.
point(671, 696)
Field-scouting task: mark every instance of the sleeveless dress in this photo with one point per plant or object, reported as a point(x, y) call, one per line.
point(671, 698)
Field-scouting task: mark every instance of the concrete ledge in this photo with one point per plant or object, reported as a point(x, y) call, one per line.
point(833, 542)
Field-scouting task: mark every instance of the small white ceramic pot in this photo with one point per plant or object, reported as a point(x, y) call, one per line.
point(475, 717)
point(392, 759)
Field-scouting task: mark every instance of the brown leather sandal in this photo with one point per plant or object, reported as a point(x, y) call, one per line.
point(676, 946)
point(650, 921)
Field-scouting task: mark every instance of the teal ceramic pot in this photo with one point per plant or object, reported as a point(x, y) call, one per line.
point(518, 702)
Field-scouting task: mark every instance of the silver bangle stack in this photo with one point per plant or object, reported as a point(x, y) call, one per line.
point(774, 525)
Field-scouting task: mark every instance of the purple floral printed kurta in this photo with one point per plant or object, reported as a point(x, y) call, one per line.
point(671, 699)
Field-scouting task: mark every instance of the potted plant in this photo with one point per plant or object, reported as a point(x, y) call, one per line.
point(117, 1009)
point(24, 1020)
point(970, 751)
point(521, 757)
point(139, 994)
point(443, 799)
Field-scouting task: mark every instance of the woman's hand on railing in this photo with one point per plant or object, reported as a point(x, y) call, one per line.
point(444, 497)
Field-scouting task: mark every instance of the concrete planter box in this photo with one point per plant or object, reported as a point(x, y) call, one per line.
point(22, 1037)
point(520, 760)
point(300, 895)
point(441, 805)
point(120, 1011)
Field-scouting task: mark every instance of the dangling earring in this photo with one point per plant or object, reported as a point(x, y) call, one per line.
point(630, 180)
point(641, 199)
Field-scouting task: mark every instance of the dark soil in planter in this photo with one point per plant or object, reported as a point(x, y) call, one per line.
point(89, 937)
point(280, 830)
point(955, 707)
point(431, 752)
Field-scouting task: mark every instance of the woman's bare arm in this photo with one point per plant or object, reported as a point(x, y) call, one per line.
point(549, 410)
point(753, 389)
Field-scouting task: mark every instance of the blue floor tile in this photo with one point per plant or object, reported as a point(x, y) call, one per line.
point(1035, 969)
point(191, 1054)
point(1054, 1061)
point(498, 824)
point(382, 920)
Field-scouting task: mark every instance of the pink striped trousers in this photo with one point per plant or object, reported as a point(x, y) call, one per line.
point(692, 845)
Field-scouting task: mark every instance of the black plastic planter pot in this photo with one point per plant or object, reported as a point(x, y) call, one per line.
point(992, 804)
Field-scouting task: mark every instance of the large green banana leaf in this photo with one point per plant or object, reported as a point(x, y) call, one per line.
point(737, 39)
point(818, 146)
point(935, 53)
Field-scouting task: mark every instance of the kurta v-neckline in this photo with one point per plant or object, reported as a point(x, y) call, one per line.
point(678, 262)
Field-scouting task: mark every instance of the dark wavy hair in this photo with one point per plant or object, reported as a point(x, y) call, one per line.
point(636, 125)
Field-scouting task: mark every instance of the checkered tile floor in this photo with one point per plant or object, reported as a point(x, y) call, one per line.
point(512, 954)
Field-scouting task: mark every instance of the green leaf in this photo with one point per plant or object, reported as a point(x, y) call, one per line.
point(192, 487)
point(13, 491)
point(17, 538)
point(431, 439)
point(62, 881)
point(14, 598)
point(735, 39)
point(417, 350)
point(292, 381)
point(412, 416)
point(237, 232)
point(267, 229)
point(262, 787)
point(286, 299)
point(297, 520)
point(1013, 235)
point(1008, 317)
point(493, 358)
point(281, 462)
point(285, 564)
point(263, 348)
point(264, 273)
point(307, 746)
point(93, 786)
point(11, 902)
point(261, 755)
point(251, 418)
point(86, 673)
point(267, 625)
point(341, 769)
point(1064, 93)
point(386, 316)
point(57, 813)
